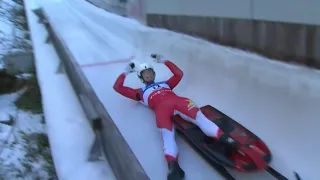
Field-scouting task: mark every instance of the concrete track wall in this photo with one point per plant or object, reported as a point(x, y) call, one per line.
point(281, 29)
point(286, 41)
point(113, 6)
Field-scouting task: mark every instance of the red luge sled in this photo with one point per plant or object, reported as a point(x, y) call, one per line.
point(251, 153)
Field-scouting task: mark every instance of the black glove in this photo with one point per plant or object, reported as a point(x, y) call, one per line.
point(130, 68)
point(157, 58)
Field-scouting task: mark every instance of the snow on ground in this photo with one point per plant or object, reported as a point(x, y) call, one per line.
point(12, 32)
point(24, 152)
point(16, 141)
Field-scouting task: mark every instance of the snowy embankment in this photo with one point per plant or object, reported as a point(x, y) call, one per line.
point(69, 131)
point(277, 101)
point(24, 153)
point(12, 33)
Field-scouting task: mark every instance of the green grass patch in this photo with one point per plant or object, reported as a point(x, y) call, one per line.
point(30, 100)
point(9, 83)
point(38, 147)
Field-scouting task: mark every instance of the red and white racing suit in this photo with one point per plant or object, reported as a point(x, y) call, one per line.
point(165, 103)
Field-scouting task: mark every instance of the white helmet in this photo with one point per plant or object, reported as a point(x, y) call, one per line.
point(142, 67)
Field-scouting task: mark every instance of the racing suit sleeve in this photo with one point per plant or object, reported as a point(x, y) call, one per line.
point(134, 94)
point(177, 74)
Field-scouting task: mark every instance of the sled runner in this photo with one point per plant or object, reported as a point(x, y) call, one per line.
point(250, 154)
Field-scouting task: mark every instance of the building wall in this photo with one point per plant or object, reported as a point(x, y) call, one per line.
point(216, 8)
point(292, 11)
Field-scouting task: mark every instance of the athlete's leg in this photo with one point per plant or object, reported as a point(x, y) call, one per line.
point(170, 148)
point(165, 125)
point(189, 111)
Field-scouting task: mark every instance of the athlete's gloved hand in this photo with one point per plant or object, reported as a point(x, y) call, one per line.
point(130, 68)
point(158, 58)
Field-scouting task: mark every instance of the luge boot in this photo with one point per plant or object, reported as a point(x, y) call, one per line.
point(175, 172)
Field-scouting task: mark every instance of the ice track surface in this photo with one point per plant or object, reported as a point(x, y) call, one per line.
point(278, 102)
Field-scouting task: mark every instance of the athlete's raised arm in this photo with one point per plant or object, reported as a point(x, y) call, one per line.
point(176, 71)
point(134, 94)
